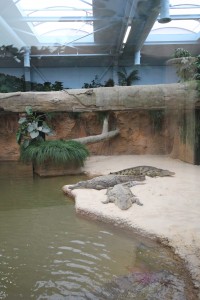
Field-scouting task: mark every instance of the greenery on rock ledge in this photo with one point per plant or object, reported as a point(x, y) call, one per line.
point(34, 148)
point(57, 151)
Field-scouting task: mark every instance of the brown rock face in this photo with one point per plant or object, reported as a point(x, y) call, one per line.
point(9, 149)
point(140, 132)
point(137, 132)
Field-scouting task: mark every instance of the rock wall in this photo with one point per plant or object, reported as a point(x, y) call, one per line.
point(9, 149)
point(138, 134)
point(141, 132)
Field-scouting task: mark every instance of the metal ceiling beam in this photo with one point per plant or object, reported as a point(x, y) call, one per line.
point(68, 19)
point(58, 8)
point(128, 16)
point(71, 55)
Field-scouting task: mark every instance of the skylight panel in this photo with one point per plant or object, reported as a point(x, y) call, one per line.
point(50, 20)
point(184, 2)
point(192, 26)
point(181, 7)
point(185, 20)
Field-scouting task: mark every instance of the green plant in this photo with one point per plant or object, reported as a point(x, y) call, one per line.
point(197, 65)
point(9, 83)
point(93, 84)
point(127, 79)
point(188, 67)
point(57, 86)
point(180, 52)
point(58, 151)
point(32, 127)
point(109, 82)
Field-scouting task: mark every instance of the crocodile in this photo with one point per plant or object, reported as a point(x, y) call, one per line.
point(106, 181)
point(145, 171)
point(122, 196)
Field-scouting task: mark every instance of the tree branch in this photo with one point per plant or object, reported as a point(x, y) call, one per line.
point(105, 135)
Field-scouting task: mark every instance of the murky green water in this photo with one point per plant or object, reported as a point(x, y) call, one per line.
point(48, 252)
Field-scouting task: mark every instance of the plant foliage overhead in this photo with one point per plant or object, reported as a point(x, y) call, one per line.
point(187, 66)
point(10, 83)
point(180, 52)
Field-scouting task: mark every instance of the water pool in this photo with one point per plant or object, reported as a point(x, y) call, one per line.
point(48, 252)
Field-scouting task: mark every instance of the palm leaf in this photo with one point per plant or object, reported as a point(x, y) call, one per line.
point(132, 77)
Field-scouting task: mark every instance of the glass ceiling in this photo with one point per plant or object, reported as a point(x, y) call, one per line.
point(58, 21)
point(185, 17)
point(63, 22)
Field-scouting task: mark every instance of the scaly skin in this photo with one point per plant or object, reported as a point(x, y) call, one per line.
point(122, 196)
point(145, 171)
point(104, 182)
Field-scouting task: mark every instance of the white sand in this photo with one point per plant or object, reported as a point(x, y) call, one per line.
point(171, 205)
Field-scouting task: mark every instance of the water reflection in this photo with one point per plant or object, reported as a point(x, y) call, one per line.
point(47, 252)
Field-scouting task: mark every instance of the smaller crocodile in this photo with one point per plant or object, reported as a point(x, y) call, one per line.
point(145, 171)
point(122, 196)
point(106, 181)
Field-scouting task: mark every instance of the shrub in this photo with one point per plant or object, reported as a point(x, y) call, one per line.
point(57, 151)
point(180, 52)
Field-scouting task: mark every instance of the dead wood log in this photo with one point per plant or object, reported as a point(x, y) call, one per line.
point(105, 135)
point(158, 96)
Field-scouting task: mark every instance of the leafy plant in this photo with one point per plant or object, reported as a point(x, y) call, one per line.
point(127, 79)
point(58, 151)
point(57, 86)
point(197, 65)
point(9, 83)
point(188, 67)
point(32, 127)
point(109, 82)
point(93, 84)
point(180, 52)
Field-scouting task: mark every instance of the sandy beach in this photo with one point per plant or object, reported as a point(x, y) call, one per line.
point(171, 205)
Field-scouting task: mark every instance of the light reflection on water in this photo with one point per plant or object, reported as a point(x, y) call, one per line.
point(47, 252)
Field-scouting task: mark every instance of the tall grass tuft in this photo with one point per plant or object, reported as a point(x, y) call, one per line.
point(57, 151)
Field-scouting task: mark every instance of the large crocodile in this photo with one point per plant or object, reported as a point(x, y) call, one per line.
point(145, 171)
point(106, 181)
point(121, 196)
